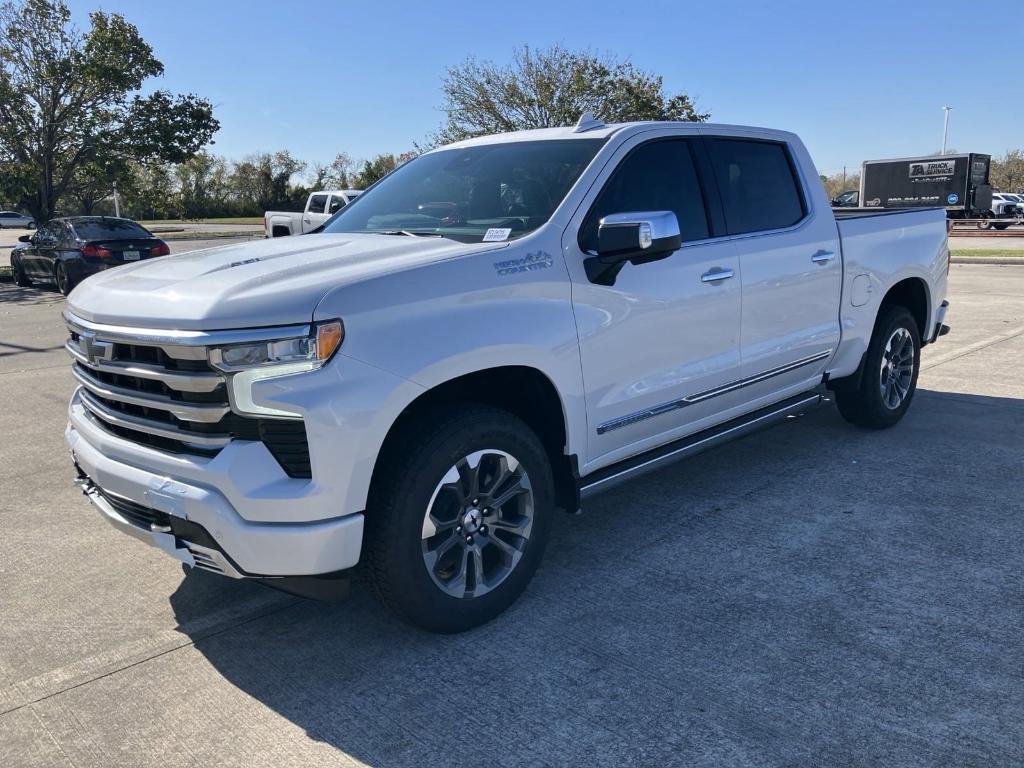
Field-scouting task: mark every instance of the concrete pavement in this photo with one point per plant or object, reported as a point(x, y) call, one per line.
point(812, 595)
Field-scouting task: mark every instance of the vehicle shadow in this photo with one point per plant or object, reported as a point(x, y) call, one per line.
point(38, 294)
point(807, 595)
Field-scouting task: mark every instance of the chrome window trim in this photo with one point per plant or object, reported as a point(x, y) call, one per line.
point(682, 402)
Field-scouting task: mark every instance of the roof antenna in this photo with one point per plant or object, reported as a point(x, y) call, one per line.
point(587, 122)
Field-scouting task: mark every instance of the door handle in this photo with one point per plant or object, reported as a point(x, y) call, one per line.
point(822, 257)
point(715, 275)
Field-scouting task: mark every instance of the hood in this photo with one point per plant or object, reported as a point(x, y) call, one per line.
point(269, 282)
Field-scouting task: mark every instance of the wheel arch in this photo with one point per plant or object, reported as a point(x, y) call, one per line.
point(911, 293)
point(524, 391)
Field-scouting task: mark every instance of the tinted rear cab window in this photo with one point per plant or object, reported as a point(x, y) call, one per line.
point(758, 185)
point(109, 229)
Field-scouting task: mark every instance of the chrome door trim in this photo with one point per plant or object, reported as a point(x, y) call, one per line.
point(673, 405)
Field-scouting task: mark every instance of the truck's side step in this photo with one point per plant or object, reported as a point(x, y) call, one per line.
point(657, 458)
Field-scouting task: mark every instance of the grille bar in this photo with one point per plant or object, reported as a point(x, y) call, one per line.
point(149, 426)
point(200, 412)
point(179, 381)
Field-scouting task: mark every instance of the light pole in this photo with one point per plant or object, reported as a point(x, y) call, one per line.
point(945, 127)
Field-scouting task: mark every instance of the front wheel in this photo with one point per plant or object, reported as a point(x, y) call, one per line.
point(889, 377)
point(459, 518)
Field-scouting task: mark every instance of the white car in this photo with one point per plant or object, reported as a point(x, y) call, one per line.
point(495, 331)
point(320, 206)
point(15, 220)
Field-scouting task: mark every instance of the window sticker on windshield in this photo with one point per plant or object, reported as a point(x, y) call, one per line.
point(497, 235)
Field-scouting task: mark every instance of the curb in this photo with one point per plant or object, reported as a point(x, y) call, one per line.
point(996, 260)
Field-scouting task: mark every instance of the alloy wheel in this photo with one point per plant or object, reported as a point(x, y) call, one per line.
point(897, 369)
point(477, 523)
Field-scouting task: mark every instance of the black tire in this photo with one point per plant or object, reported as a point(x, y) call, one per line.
point(65, 283)
point(20, 278)
point(863, 402)
point(1000, 226)
point(394, 556)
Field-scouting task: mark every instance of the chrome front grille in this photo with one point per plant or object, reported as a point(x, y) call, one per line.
point(162, 391)
point(157, 388)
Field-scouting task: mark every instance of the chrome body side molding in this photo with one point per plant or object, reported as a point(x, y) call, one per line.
point(657, 410)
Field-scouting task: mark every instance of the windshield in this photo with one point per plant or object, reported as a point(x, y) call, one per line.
point(509, 189)
point(108, 229)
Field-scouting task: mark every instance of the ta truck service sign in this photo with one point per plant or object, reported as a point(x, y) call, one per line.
point(932, 169)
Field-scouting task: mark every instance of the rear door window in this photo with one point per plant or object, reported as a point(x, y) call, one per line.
point(658, 176)
point(758, 184)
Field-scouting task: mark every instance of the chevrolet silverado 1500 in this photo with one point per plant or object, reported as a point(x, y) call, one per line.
point(495, 331)
point(320, 206)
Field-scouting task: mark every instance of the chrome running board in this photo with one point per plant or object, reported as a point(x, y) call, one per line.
point(655, 459)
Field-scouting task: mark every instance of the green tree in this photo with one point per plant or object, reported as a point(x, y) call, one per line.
point(552, 87)
point(378, 167)
point(203, 186)
point(94, 181)
point(1007, 172)
point(70, 100)
point(153, 192)
point(262, 181)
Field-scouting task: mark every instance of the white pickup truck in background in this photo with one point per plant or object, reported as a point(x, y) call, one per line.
point(320, 206)
point(498, 329)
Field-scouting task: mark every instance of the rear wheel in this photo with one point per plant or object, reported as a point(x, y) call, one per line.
point(20, 278)
point(889, 377)
point(459, 519)
point(65, 284)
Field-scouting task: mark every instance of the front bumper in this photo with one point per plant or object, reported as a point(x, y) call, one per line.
point(196, 523)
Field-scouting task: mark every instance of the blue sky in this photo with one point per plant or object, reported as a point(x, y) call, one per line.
point(857, 80)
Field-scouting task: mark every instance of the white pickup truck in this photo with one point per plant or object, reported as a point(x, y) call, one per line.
point(320, 206)
point(495, 331)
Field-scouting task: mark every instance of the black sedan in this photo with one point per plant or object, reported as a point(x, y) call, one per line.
point(68, 250)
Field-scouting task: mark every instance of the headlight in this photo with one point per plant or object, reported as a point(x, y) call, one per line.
point(249, 362)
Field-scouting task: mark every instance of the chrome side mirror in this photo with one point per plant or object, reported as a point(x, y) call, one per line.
point(638, 238)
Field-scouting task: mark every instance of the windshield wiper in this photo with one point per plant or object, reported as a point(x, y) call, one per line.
point(407, 233)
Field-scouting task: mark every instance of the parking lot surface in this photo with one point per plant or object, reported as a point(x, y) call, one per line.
point(812, 595)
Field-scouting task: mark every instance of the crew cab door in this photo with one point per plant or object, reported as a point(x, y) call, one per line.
point(314, 214)
point(787, 241)
point(666, 330)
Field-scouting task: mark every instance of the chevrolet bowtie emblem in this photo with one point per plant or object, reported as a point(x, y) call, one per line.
point(93, 349)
